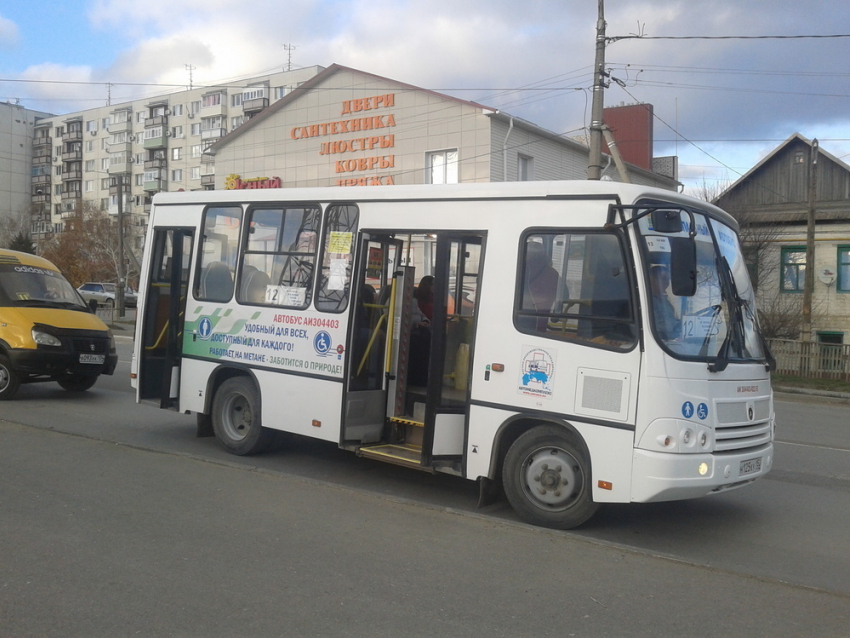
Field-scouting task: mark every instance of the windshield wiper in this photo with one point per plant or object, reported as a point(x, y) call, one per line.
point(730, 293)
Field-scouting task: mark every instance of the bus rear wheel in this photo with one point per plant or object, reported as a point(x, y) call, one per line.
point(236, 418)
point(546, 475)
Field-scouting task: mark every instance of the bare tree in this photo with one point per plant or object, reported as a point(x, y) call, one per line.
point(87, 248)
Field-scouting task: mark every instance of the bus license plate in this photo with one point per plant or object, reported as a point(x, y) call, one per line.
point(92, 358)
point(749, 466)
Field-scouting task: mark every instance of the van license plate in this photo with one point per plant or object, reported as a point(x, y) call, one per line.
point(92, 358)
point(749, 466)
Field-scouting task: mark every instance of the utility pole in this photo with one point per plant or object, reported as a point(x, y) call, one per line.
point(594, 164)
point(808, 286)
point(122, 277)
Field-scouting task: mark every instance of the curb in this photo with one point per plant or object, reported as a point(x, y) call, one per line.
point(842, 396)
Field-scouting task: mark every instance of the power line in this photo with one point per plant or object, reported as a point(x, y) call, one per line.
point(725, 37)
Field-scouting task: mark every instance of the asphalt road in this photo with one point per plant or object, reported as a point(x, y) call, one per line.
point(115, 520)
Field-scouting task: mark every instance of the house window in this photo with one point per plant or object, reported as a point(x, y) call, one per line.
point(194, 107)
point(236, 99)
point(177, 109)
point(91, 126)
point(212, 100)
point(195, 172)
point(104, 164)
point(89, 166)
point(177, 175)
point(844, 268)
point(442, 167)
point(280, 91)
point(196, 129)
point(525, 168)
point(176, 153)
point(195, 151)
point(793, 268)
point(139, 179)
point(176, 131)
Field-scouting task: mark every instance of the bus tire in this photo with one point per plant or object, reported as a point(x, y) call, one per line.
point(10, 381)
point(236, 418)
point(77, 382)
point(546, 476)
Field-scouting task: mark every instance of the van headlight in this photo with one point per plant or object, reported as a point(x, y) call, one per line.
point(45, 339)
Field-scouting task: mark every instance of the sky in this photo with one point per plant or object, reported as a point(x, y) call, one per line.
point(721, 105)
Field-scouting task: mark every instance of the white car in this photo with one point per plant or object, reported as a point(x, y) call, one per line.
point(103, 294)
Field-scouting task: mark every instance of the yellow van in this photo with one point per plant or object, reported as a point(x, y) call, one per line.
point(47, 332)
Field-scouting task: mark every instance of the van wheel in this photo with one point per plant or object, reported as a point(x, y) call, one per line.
point(77, 382)
point(236, 418)
point(546, 475)
point(9, 379)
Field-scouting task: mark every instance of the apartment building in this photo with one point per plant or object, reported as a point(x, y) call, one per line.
point(139, 148)
point(16, 134)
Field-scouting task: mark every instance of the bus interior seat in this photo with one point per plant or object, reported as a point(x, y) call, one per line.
point(254, 282)
point(216, 282)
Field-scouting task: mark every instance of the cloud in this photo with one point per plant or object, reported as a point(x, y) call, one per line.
point(9, 36)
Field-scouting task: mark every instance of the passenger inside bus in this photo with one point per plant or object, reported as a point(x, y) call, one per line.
point(541, 285)
point(666, 323)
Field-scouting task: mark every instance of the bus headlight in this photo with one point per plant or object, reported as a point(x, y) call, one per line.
point(675, 435)
point(45, 339)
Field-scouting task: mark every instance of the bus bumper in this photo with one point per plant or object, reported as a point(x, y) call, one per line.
point(659, 476)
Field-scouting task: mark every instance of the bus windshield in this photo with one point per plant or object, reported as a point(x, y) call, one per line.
point(718, 322)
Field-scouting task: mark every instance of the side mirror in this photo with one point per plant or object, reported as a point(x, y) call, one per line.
point(683, 266)
point(666, 221)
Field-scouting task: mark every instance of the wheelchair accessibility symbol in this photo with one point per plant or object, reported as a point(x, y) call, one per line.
point(322, 342)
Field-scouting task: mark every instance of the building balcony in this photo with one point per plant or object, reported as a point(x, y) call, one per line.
point(155, 185)
point(158, 162)
point(72, 136)
point(38, 180)
point(75, 174)
point(207, 180)
point(42, 140)
point(212, 133)
point(212, 111)
point(156, 120)
point(70, 201)
point(72, 156)
point(120, 127)
point(44, 198)
point(113, 189)
point(41, 160)
point(156, 142)
point(118, 167)
point(255, 105)
point(121, 147)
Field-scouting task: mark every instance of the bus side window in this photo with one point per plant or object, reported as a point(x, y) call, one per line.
point(575, 287)
point(218, 250)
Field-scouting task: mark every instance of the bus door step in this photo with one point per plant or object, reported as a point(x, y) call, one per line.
point(403, 454)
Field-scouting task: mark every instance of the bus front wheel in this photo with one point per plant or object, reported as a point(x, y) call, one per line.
point(546, 475)
point(9, 379)
point(236, 418)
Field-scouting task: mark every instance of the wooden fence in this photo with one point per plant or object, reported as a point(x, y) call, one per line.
point(812, 360)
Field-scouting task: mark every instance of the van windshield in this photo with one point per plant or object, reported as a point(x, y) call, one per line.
point(32, 286)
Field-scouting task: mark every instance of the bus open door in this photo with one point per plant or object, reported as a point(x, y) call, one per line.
point(164, 309)
point(409, 382)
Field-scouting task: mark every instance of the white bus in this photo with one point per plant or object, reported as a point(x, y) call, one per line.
point(588, 342)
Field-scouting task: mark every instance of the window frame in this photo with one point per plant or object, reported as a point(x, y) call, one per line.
point(799, 288)
point(842, 284)
point(288, 254)
point(595, 322)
